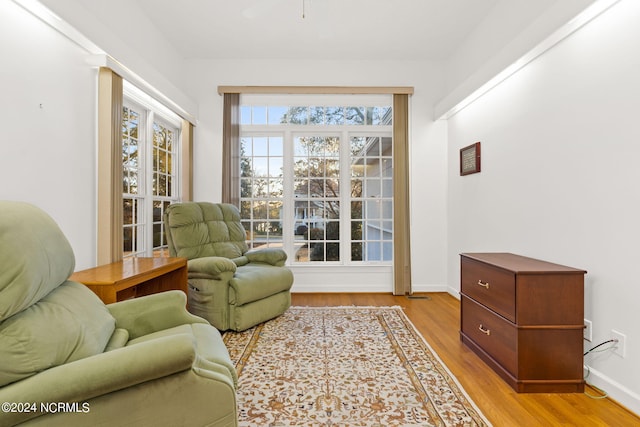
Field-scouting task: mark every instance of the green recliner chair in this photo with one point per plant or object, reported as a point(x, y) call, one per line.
point(67, 359)
point(231, 287)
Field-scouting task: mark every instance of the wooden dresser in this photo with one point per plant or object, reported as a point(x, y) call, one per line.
point(525, 318)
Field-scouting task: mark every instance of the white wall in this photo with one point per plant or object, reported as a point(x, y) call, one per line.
point(560, 141)
point(428, 171)
point(47, 147)
point(122, 30)
point(512, 29)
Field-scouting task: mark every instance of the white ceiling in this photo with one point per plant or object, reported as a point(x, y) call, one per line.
point(330, 29)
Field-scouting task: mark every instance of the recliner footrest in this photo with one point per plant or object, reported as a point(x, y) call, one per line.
point(253, 282)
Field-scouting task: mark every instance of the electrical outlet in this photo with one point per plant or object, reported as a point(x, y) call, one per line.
point(588, 331)
point(619, 348)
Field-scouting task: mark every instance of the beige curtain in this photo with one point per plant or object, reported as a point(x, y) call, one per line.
point(231, 149)
point(186, 170)
point(109, 166)
point(401, 211)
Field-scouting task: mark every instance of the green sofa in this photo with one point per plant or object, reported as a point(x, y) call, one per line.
point(66, 359)
point(230, 286)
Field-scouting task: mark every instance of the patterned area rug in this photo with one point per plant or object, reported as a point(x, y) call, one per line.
point(344, 366)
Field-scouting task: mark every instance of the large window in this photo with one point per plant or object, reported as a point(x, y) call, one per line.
point(150, 147)
point(317, 180)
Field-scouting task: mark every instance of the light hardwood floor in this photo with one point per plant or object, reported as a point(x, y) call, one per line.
point(438, 320)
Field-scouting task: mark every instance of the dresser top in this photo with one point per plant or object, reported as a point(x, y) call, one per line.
point(520, 264)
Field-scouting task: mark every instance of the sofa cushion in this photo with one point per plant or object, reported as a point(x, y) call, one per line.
point(35, 256)
point(68, 324)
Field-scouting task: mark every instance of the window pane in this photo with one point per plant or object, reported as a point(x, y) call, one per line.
point(259, 115)
point(354, 116)
point(299, 115)
point(334, 115)
point(260, 166)
point(261, 146)
point(275, 210)
point(356, 251)
point(316, 115)
point(246, 147)
point(277, 115)
point(246, 167)
point(379, 115)
point(357, 145)
point(332, 188)
point(245, 209)
point(300, 148)
point(245, 114)
point(245, 188)
point(276, 188)
point(356, 230)
point(275, 166)
point(127, 217)
point(356, 210)
point(276, 147)
point(332, 168)
point(387, 188)
point(259, 210)
point(387, 251)
point(387, 168)
point(157, 235)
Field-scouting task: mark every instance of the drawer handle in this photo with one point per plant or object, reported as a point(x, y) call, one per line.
point(484, 285)
point(484, 331)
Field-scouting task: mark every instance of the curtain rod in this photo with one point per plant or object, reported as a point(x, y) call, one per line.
point(317, 90)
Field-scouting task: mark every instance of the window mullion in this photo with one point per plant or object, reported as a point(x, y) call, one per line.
point(288, 199)
point(148, 185)
point(345, 198)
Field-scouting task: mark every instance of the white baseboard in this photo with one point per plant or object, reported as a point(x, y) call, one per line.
point(302, 287)
point(615, 390)
point(339, 288)
point(429, 288)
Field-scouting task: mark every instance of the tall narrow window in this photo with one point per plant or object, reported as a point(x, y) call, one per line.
point(151, 180)
point(261, 189)
point(316, 176)
point(371, 199)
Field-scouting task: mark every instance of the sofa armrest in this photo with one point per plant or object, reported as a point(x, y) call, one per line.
point(152, 313)
point(272, 256)
point(104, 373)
point(211, 267)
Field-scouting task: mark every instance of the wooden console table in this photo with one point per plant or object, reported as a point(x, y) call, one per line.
point(134, 277)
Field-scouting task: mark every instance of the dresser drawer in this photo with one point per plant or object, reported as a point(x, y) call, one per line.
point(494, 334)
point(489, 285)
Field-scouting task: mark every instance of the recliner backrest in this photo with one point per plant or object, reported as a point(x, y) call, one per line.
point(45, 320)
point(35, 256)
point(202, 229)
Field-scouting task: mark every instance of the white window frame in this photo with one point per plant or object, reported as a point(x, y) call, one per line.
point(151, 111)
point(380, 269)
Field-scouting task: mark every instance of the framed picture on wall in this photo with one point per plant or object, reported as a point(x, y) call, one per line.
point(470, 159)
